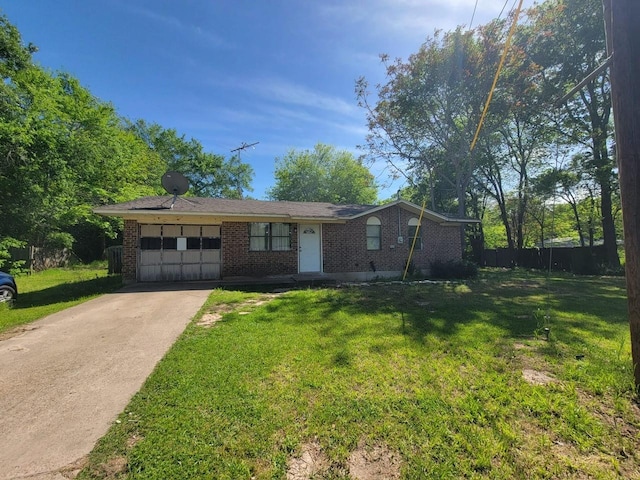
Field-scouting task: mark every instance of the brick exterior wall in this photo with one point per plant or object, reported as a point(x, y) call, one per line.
point(237, 260)
point(345, 246)
point(130, 250)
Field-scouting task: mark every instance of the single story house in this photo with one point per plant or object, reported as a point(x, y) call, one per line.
point(193, 238)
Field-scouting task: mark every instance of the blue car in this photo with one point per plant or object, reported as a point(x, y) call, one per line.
point(8, 288)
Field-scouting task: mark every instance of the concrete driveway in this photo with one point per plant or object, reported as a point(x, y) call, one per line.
point(64, 380)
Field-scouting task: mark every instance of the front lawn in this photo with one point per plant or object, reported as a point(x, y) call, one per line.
point(447, 380)
point(50, 291)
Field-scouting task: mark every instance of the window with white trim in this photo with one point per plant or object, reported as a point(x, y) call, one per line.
point(411, 233)
point(265, 236)
point(374, 233)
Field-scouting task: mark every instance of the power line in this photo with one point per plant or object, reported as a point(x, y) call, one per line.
point(495, 79)
point(473, 15)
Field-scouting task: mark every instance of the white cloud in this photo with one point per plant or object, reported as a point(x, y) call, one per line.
point(193, 31)
point(279, 90)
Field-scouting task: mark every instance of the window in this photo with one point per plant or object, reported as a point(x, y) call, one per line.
point(374, 234)
point(269, 236)
point(169, 243)
point(193, 243)
point(411, 233)
point(211, 243)
point(150, 243)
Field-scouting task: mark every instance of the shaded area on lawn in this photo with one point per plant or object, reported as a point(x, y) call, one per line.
point(68, 292)
point(339, 369)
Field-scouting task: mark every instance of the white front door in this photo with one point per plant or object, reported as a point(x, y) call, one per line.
point(310, 259)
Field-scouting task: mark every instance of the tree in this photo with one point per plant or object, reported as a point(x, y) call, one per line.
point(209, 175)
point(62, 151)
point(570, 46)
point(323, 174)
point(425, 115)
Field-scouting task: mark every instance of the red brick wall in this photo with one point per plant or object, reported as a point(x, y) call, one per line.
point(130, 250)
point(345, 246)
point(237, 260)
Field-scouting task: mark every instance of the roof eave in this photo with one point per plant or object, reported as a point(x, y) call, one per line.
point(137, 213)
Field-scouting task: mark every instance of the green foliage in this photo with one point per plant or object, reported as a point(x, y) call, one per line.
point(323, 175)
point(7, 243)
point(64, 152)
point(427, 110)
point(59, 241)
point(209, 175)
point(453, 269)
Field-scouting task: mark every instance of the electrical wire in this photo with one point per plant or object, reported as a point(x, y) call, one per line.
point(473, 15)
point(495, 79)
point(505, 6)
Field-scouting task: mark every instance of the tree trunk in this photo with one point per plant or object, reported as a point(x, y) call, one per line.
point(622, 18)
point(608, 226)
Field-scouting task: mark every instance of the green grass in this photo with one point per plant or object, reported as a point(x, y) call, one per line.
point(50, 291)
point(431, 371)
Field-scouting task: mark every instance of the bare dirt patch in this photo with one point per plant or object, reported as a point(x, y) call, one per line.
point(374, 463)
point(113, 468)
point(535, 377)
point(72, 470)
point(209, 319)
point(312, 461)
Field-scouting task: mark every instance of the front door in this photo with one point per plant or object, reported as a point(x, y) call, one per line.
point(310, 248)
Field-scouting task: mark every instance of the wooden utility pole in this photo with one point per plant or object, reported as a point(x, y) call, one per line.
point(622, 18)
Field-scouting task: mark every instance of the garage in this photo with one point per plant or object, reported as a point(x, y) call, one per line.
point(179, 252)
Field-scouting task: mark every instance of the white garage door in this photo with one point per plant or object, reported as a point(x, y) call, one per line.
point(179, 252)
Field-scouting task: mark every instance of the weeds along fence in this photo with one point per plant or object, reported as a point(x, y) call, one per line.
point(580, 260)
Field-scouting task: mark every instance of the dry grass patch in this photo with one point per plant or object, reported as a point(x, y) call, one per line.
point(534, 377)
point(213, 316)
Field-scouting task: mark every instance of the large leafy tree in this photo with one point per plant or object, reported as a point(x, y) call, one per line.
point(323, 174)
point(209, 175)
point(62, 151)
point(425, 115)
point(519, 134)
point(571, 45)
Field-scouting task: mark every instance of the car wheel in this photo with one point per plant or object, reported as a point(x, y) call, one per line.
point(7, 294)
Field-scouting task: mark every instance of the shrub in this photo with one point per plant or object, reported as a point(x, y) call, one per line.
point(453, 269)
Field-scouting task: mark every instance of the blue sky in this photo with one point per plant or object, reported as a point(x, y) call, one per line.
point(228, 72)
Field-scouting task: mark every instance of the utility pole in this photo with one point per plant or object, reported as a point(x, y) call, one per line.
point(622, 18)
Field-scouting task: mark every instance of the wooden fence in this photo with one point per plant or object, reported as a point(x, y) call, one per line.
point(114, 258)
point(37, 259)
point(582, 260)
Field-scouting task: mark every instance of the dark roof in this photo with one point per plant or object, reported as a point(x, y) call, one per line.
point(257, 208)
point(225, 206)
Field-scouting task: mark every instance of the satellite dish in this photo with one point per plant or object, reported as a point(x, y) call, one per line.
point(175, 183)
